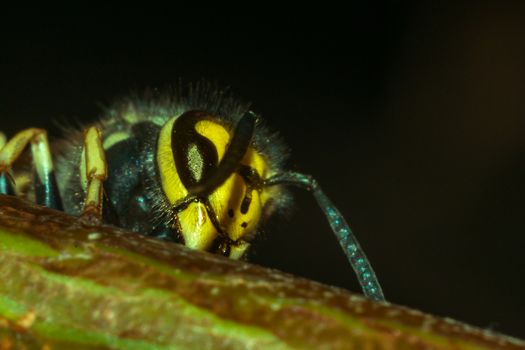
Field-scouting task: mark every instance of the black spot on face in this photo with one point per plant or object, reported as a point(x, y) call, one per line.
point(244, 224)
point(230, 213)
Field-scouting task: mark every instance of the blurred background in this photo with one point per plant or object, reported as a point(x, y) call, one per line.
point(412, 118)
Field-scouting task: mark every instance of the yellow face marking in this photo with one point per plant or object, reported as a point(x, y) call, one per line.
point(256, 161)
point(227, 199)
point(216, 133)
point(169, 177)
point(197, 229)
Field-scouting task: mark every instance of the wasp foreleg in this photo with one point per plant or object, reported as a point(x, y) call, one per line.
point(6, 186)
point(96, 172)
point(46, 189)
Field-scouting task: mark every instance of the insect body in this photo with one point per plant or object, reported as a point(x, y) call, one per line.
point(196, 168)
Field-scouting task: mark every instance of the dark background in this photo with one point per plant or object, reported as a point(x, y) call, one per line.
point(412, 118)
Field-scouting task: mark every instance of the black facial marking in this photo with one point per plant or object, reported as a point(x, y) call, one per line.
point(250, 176)
point(244, 224)
point(183, 204)
point(239, 144)
point(253, 182)
point(230, 213)
point(247, 200)
point(213, 217)
point(187, 143)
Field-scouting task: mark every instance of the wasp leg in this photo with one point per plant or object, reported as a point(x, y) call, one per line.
point(6, 186)
point(96, 172)
point(46, 189)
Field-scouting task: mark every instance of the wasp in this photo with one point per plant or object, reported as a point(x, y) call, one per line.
point(195, 166)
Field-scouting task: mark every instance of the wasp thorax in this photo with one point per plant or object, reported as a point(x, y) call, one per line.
point(189, 151)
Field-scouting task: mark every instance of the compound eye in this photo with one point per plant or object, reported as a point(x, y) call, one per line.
point(196, 156)
point(189, 150)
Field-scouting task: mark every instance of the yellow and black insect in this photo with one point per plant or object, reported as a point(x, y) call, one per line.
point(195, 167)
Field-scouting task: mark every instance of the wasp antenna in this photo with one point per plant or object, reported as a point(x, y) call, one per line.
point(241, 139)
point(353, 251)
